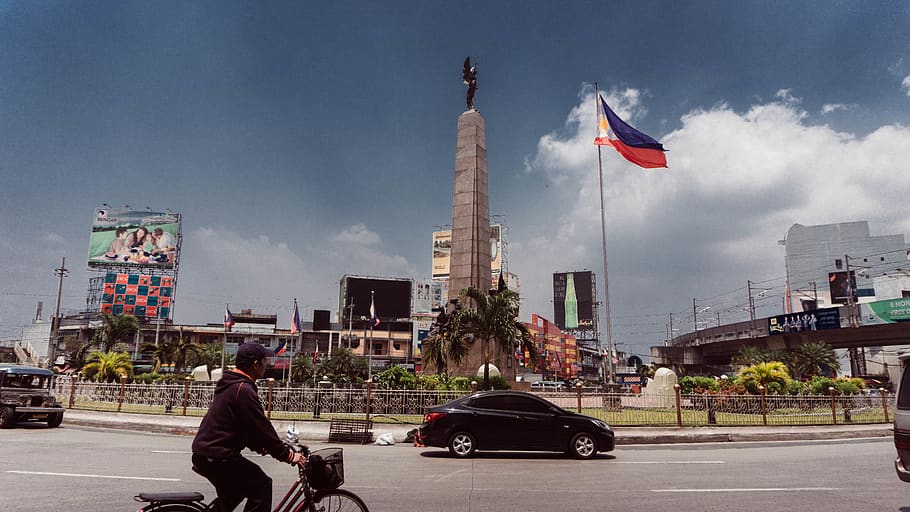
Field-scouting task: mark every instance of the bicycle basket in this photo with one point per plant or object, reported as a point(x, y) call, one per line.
point(325, 469)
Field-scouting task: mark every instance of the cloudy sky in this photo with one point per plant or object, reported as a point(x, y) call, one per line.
point(303, 141)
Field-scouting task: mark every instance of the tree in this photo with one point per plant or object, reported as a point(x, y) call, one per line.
point(813, 359)
point(183, 349)
point(302, 369)
point(344, 366)
point(115, 329)
point(443, 346)
point(772, 375)
point(747, 356)
point(493, 319)
point(209, 354)
point(108, 366)
point(162, 353)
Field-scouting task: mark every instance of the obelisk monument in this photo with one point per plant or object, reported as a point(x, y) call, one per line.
point(469, 264)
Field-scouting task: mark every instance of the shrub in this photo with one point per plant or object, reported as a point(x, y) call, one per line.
point(697, 384)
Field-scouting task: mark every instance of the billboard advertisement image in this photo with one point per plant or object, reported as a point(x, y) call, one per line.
point(139, 239)
point(442, 251)
point(817, 320)
point(140, 295)
point(573, 300)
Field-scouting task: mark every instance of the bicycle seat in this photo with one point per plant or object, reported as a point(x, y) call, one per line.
point(169, 497)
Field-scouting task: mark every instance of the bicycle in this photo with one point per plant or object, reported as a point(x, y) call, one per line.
point(315, 490)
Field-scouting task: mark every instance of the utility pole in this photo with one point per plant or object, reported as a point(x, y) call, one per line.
point(751, 310)
point(60, 272)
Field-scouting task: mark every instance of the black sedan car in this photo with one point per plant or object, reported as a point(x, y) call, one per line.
point(512, 420)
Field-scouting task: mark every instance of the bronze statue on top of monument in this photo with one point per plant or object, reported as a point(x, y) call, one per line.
point(469, 76)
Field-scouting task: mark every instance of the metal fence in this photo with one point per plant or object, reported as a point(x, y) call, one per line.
point(408, 406)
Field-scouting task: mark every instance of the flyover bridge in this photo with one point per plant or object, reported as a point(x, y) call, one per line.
point(716, 346)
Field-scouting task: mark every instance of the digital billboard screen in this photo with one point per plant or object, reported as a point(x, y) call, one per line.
point(140, 295)
point(135, 239)
point(573, 300)
point(392, 297)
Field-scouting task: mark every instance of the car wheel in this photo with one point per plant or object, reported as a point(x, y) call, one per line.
point(582, 446)
point(54, 420)
point(7, 417)
point(462, 445)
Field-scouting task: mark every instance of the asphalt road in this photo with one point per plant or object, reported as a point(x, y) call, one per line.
point(77, 468)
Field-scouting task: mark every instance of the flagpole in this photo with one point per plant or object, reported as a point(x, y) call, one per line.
point(603, 235)
point(224, 336)
point(370, 351)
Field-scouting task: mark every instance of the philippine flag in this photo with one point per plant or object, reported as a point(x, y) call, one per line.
point(295, 320)
point(374, 320)
point(633, 145)
point(282, 348)
point(228, 319)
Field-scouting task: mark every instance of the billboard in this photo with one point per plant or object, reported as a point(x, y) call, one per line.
point(885, 311)
point(573, 300)
point(140, 295)
point(818, 320)
point(442, 250)
point(391, 296)
point(134, 239)
point(841, 287)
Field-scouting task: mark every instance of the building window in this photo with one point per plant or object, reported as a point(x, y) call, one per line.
point(397, 346)
point(838, 264)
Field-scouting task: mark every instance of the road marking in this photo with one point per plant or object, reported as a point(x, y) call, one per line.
point(82, 475)
point(753, 489)
point(669, 462)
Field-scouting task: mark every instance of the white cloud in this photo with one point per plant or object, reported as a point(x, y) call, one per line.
point(833, 107)
point(736, 182)
point(906, 84)
point(357, 234)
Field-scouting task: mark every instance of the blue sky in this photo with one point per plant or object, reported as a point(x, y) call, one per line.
point(303, 141)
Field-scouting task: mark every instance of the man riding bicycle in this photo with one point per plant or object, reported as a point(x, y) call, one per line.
point(236, 421)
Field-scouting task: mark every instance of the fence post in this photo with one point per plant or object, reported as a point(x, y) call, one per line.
point(269, 400)
point(122, 386)
point(884, 403)
point(369, 396)
point(831, 390)
point(764, 407)
point(72, 392)
point(709, 407)
point(186, 393)
point(578, 386)
point(678, 410)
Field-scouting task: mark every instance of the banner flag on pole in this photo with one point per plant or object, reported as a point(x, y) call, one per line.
point(282, 348)
point(374, 320)
point(228, 318)
point(316, 352)
point(295, 320)
point(635, 146)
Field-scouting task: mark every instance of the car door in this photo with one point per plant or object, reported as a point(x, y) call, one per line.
point(532, 424)
point(490, 421)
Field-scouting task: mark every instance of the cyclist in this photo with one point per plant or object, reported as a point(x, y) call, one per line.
point(236, 421)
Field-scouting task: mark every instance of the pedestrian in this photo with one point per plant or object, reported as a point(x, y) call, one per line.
point(236, 421)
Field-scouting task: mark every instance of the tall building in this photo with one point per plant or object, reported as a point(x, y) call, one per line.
point(821, 261)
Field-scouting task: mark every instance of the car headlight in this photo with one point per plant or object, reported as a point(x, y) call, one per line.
point(601, 425)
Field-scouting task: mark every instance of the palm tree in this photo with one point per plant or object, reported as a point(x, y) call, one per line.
point(344, 366)
point(209, 354)
point(183, 348)
point(115, 329)
point(108, 366)
point(814, 358)
point(494, 318)
point(302, 368)
point(747, 356)
point(162, 353)
point(438, 349)
point(772, 375)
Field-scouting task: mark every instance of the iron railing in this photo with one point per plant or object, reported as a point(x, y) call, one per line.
point(670, 408)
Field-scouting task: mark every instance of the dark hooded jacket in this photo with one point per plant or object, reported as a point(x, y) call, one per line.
point(236, 421)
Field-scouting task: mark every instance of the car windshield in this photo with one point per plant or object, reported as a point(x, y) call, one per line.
point(25, 381)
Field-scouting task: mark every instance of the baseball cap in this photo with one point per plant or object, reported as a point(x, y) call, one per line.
point(253, 351)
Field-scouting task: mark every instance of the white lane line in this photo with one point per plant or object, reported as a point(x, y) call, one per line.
point(178, 452)
point(82, 475)
point(753, 489)
point(661, 462)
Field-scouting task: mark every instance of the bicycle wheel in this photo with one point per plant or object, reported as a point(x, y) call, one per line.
point(338, 500)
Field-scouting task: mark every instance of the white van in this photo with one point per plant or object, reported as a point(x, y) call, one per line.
point(902, 420)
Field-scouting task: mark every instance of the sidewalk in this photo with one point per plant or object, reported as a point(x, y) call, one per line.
point(319, 430)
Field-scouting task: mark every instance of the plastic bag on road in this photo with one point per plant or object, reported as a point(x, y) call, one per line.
point(385, 440)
